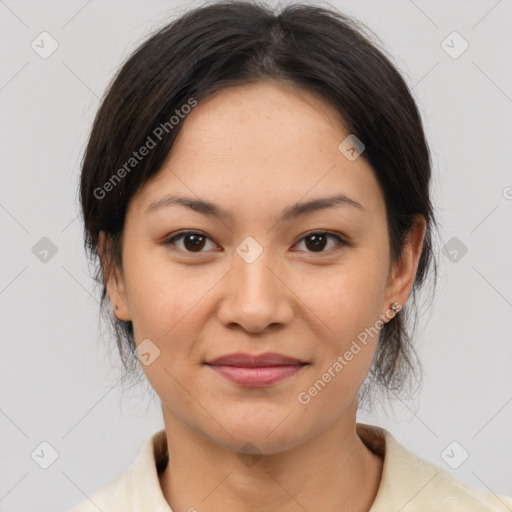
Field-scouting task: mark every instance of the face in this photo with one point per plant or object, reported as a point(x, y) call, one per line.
point(200, 283)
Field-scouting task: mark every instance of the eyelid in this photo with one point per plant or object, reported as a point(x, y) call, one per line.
point(341, 238)
point(169, 239)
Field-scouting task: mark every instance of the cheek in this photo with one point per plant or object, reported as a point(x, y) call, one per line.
point(162, 295)
point(167, 304)
point(344, 303)
point(343, 308)
point(345, 298)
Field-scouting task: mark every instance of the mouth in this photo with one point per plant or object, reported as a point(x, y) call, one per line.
point(256, 370)
point(255, 361)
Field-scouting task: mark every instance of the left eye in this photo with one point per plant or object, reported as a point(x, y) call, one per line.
point(194, 241)
point(318, 240)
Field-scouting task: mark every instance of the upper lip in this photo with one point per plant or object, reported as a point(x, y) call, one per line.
point(254, 361)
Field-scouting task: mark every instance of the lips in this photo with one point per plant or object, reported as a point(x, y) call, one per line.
point(255, 361)
point(253, 371)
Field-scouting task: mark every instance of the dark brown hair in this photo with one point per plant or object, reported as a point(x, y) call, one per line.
point(233, 43)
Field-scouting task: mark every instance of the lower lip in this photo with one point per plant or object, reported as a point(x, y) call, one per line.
point(256, 377)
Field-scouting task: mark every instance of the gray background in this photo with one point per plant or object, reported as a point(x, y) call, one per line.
point(59, 365)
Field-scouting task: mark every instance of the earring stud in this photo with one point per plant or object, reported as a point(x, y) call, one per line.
point(395, 307)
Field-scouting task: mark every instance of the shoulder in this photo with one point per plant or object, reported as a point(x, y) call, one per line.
point(412, 484)
point(454, 495)
point(137, 487)
point(112, 494)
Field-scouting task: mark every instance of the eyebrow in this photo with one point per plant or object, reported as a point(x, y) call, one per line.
point(290, 212)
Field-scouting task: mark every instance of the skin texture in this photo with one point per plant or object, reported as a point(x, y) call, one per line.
point(254, 150)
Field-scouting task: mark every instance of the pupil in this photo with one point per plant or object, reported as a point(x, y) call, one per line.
point(318, 241)
point(196, 243)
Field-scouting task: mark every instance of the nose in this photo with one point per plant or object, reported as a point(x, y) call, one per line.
point(255, 296)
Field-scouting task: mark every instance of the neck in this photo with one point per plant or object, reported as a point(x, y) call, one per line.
point(332, 471)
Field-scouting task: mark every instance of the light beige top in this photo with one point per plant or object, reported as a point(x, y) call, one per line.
point(408, 483)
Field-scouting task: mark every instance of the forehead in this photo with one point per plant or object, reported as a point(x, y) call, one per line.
point(259, 145)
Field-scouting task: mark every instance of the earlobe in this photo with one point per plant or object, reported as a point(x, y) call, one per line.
point(117, 295)
point(113, 282)
point(121, 313)
point(404, 273)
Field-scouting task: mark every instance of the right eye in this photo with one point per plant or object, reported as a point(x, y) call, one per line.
point(192, 241)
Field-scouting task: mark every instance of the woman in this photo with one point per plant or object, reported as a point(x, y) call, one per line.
point(256, 186)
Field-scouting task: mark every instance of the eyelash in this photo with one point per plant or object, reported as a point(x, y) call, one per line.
point(341, 241)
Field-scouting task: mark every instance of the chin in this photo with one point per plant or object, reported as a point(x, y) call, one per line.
point(262, 436)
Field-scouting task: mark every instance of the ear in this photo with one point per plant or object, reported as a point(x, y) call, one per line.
point(403, 274)
point(114, 283)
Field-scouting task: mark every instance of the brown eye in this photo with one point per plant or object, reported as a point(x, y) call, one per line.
point(195, 242)
point(192, 241)
point(317, 241)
